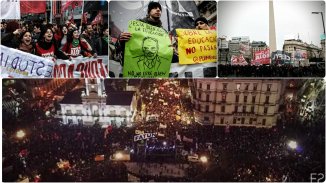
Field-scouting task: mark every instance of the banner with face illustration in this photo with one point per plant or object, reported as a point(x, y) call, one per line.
point(148, 53)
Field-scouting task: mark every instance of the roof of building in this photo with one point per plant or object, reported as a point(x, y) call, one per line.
point(73, 97)
point(119, 98)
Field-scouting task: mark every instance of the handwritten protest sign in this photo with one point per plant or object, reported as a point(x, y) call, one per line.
point(196, 46)
point(147, 53)
point(81, 68)
point(18, 64)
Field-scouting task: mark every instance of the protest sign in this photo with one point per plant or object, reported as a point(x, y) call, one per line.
point(196, 46)
point(18, 64)
point(81, 68)
point(261, 57)
point(238, 60)
point(281, 57)
point(144, 136)
point(148, 53)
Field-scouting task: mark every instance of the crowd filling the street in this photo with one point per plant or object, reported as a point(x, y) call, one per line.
point(40, 147)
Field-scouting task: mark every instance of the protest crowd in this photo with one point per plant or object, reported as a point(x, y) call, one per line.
point(270, 71)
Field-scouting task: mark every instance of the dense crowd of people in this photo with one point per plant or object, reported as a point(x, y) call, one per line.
point(56, 41)
point(270, 71)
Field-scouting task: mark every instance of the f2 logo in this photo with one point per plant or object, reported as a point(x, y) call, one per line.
point(317, 177)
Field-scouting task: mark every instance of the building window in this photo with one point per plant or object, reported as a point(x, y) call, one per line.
point(255, 86)
point(223, 108)
point(69, 112)
point(265, 110)
point(225, 85)
point(247, 87)
point(269, 86)
point(245, 98)
point(199, 107)
point(252, 109)
point(267, 99)
point(237, 98)
point(200, 85)
point(253, 99)
point(223, 97)
point(242, 120)
point(234, 120)
point(222, 120)
point(199, 96)
point(236, 108)
point(207, 98)
point(208, 86)
point(238, 86)
point(207, 108)
point(206, 118)
point(264, 122)
point(250, 121)
point(244, 109)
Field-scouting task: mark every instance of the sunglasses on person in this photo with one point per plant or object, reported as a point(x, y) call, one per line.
point(199, 23)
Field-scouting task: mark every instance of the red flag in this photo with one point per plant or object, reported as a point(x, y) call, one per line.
point(54, 7)
point(32, 7)
point(98, 18)
point(72, 3)
point(107, 131)
point(85, 18)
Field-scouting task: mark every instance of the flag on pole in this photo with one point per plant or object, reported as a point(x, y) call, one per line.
point(98, 19)
point(54, 7)
point(10, 10)
point(73, 3)
point(85, 18)
point(32, 7)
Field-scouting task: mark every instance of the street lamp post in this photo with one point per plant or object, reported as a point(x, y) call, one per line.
point(322, 18)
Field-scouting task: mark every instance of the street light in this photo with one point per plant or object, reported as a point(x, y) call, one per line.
point(203, 159)
point(292, 144)
point(322, 18)
point(20, 134)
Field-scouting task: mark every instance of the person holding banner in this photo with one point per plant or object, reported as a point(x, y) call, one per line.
point(46, 46)
point(75, 46)
point(63, 40)
point(26, 42)
point(201, 23)
point(153, 16)
point(89, 37)
point(154, 11)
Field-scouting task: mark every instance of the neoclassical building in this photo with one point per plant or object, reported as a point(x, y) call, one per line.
point(93, 104)
point(237, 102)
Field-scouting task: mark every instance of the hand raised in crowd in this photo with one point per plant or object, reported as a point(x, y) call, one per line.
point(17, 31)
point(125, 36)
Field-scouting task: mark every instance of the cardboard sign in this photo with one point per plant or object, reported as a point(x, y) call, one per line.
point(148, 53)
point(81, 68)
point(197, 46)
point(18, 64)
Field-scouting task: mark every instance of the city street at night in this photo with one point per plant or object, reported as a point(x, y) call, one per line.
point(188, 130)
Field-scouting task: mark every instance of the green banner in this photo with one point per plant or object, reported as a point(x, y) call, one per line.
point(148, 53)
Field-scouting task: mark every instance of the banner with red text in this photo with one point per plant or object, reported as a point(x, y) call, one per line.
point(82, 68)
point(18, 64)
point(261, 57)
point(238, 60)
point(197, 46)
